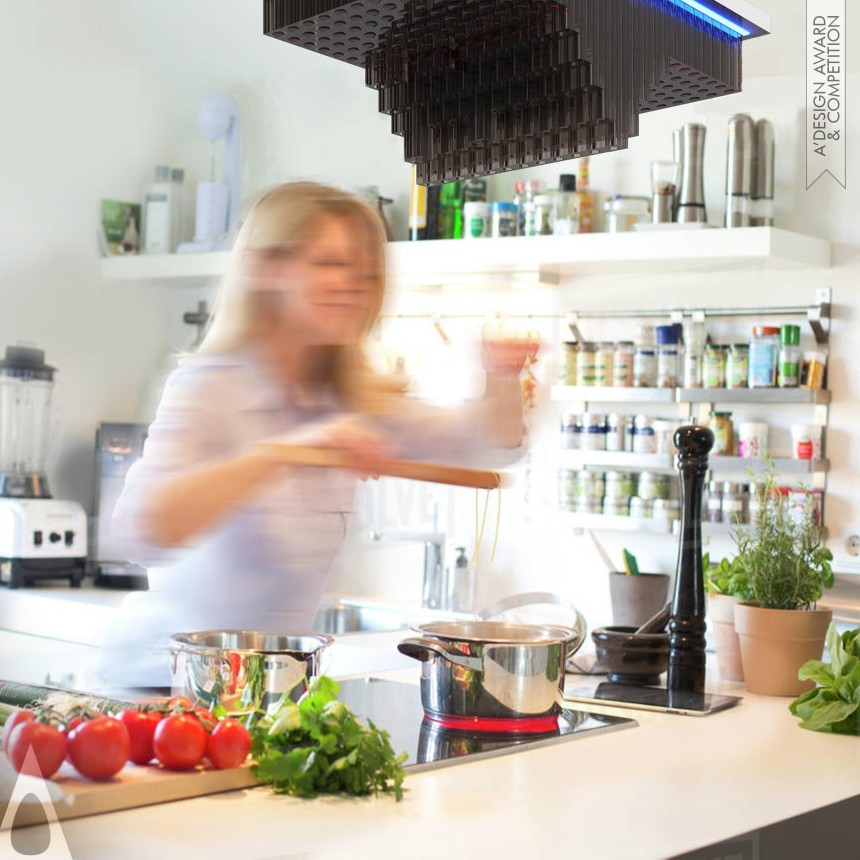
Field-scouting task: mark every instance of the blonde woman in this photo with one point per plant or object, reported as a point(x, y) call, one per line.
point(243, 541)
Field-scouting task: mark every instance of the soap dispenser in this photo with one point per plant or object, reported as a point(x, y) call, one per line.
point(461, 591)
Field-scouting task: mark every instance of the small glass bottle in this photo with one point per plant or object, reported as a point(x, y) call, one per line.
point(622, 364)
point(566, 221)
point(764, 356)
point(667, 356)
point(450, 217)
point(519, 200)
point(544, 214)
point(714, 366)
point(737, 365)
point(604, 356)
point(789, 356)
point(645, 358)
point(568, 363)
point(586, 198)
point(531, 224)
point(585, 364)
point(695, 337)
point(724, 434)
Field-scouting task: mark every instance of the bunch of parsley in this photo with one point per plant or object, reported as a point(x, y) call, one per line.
point(319, 746)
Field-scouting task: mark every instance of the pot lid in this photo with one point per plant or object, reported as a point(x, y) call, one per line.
point(497, 632)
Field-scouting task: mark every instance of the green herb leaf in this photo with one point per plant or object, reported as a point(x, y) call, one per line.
point(318, 745)
point(826, 715)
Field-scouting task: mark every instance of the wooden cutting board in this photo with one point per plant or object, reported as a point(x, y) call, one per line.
point(74, 797)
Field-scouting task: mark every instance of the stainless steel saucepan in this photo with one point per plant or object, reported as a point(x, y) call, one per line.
point(493, 675)
point(243, 670)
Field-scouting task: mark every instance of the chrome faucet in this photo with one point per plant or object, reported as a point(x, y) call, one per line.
point(433, 584)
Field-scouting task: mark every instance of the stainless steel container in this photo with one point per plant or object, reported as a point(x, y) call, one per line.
point(691, 200)
point(491, 675)
point(739, 170)
point(243, 670)
point(762, 185)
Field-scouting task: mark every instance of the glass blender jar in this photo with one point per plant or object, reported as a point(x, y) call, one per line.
point(26, 390)
point(40, 537)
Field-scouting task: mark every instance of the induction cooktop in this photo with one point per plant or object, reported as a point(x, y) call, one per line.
point(395, 707)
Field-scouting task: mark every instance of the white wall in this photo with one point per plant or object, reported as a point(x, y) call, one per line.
point(96, 94)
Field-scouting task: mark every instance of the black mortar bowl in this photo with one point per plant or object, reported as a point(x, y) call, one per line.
point(630, 657)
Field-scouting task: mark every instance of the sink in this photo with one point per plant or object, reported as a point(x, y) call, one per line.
point(351, 615)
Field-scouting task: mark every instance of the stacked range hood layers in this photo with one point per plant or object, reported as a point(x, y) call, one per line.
point(477, 87)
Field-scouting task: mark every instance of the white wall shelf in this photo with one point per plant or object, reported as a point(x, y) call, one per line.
point(535, 260)
point(615, 523)
point(767, 396)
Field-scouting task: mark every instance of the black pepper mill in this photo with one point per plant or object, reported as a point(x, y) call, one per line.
point(687, 622)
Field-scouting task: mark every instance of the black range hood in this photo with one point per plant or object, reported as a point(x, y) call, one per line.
point(483, 86)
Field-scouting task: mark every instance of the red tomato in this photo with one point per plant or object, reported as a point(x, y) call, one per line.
point(180, 741)
point(99, 748)
point(229, 744)
point(16, 719)
point(47, 743)
point(207, 718)
point(141, 728)
point(74, 721)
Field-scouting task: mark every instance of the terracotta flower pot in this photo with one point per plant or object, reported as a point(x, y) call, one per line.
point(775, 643)
point(721, 619)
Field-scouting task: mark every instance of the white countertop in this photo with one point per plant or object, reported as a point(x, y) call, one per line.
point(670, 785)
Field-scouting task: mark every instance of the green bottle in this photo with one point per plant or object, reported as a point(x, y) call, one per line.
point(451, 211)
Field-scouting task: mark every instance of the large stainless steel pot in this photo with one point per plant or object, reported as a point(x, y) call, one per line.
point(243, 670)
point(493, 676)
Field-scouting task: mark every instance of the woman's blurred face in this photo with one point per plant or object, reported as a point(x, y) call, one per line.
point(325, 289)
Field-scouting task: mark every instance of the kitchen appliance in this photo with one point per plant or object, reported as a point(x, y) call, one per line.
point(40, 537)
point(118, 447)
point(243, 670)
point(218, 203)
point(535, 82)
point(396, 708)
point(492, 676)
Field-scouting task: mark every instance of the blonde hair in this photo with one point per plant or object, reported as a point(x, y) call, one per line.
point(279, 222)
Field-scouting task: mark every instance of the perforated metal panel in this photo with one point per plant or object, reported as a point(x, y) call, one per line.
point(482, 86)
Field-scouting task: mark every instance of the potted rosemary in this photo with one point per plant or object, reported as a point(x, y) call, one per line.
point(783, 568)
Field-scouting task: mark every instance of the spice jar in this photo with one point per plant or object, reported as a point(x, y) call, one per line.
point(567, 482)
point(644, 436)
point(667, 356)
point(640, 508)
point(724, 433)
point(814, 364)
point(645, 358)
point(503, 217)
point(714, 503)
point(623, 212)
point(622, 364)
point(737, 365)
point(652, 486)
point(619, 485)
point(615, 427)
point(603, 360)
point(593, 436)
point(544, 214)
point(570, 438)
point(764, 354)
point(666, 511)
point(733, 503)
point(585, 364)
point(714, 366)
point(567, 365)
point(789, 356)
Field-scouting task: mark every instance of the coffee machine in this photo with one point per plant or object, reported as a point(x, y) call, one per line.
point(118, 447)
point(41, 538)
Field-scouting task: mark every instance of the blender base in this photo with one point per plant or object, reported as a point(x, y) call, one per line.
point(18, 572)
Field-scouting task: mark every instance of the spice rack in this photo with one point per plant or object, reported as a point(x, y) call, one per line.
point(685, 404)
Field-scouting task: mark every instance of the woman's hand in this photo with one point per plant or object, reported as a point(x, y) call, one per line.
point(505, 349)
point(364, 450)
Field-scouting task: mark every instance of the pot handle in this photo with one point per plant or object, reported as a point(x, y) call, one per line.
point(419, 648)
point(535, 598)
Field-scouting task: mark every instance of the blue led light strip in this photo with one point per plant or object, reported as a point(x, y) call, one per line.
point(711, 16)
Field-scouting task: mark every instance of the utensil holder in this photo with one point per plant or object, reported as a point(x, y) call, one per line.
point(636, 598)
